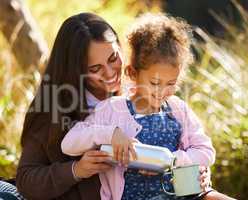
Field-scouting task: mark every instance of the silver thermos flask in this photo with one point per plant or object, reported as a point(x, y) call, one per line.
point(151, 158)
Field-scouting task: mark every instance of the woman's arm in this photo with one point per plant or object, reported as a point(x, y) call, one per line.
point(40, 178)
point(36, 177)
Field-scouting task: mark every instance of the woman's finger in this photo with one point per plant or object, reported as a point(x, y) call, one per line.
point(99, 159)
point(96, 153)
point(97, 171)
point(204, 186)
point(203, 176)
point(99, 167)
point(202, 169)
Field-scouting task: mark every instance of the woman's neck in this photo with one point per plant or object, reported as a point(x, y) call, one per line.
point(100, 94)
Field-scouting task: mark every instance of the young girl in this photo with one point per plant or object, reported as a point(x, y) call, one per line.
point(160, 50)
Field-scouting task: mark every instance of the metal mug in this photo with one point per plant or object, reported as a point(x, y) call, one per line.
point(184, 180)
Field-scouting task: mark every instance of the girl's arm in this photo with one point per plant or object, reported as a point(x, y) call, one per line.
point(89, 134)
point(98, 129)
point(196, 147)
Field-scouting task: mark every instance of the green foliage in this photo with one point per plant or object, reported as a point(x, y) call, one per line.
point(216, 88)
point(50, 14)
point(16, 92)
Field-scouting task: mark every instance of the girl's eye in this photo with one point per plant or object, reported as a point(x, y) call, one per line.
point(153, 83)
point(95, 69)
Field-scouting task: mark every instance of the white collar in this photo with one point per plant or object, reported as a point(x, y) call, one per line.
point(92, 101)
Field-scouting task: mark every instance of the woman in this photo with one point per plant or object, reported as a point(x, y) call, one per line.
point(44, 172)
point(84, 68)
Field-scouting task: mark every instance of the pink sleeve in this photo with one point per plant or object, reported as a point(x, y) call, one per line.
point(90, 133)
point(195, 146)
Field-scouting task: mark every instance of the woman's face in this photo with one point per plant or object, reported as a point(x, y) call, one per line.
point(104, 68)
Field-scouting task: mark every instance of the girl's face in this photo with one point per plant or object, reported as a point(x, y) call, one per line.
point(156, 83)
point(104, 68)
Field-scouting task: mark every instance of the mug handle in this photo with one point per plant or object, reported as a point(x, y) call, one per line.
point(162, 183)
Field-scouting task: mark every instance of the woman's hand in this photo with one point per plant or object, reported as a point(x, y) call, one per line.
point(205, 178)
point(122, 144)
point(92, 162)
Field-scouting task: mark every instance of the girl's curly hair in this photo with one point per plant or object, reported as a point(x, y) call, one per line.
point(159, 38)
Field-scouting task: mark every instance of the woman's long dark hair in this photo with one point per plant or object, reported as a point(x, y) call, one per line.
point(67, 62)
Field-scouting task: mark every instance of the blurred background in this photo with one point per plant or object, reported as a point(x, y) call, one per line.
point(215, 86)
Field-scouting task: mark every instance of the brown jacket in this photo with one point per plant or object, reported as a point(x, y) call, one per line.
point(42, 175)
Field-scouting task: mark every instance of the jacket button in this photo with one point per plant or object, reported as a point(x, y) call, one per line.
point(137, 129)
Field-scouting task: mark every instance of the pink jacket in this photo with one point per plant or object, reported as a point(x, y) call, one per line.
point(195, 146)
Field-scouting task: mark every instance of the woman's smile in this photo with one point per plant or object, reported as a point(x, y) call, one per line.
point(112, 82)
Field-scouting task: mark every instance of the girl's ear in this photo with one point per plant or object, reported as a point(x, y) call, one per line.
point(131, 72)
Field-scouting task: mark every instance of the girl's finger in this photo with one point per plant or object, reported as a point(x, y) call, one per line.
point(115, 151)
point(133, 152)
point(120, 155)
point(135, 140)
point(126, 156)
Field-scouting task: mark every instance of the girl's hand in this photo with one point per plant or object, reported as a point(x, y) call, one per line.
point(122, 146)
point(92, 162)
point(148, 173)
point(205, 178)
